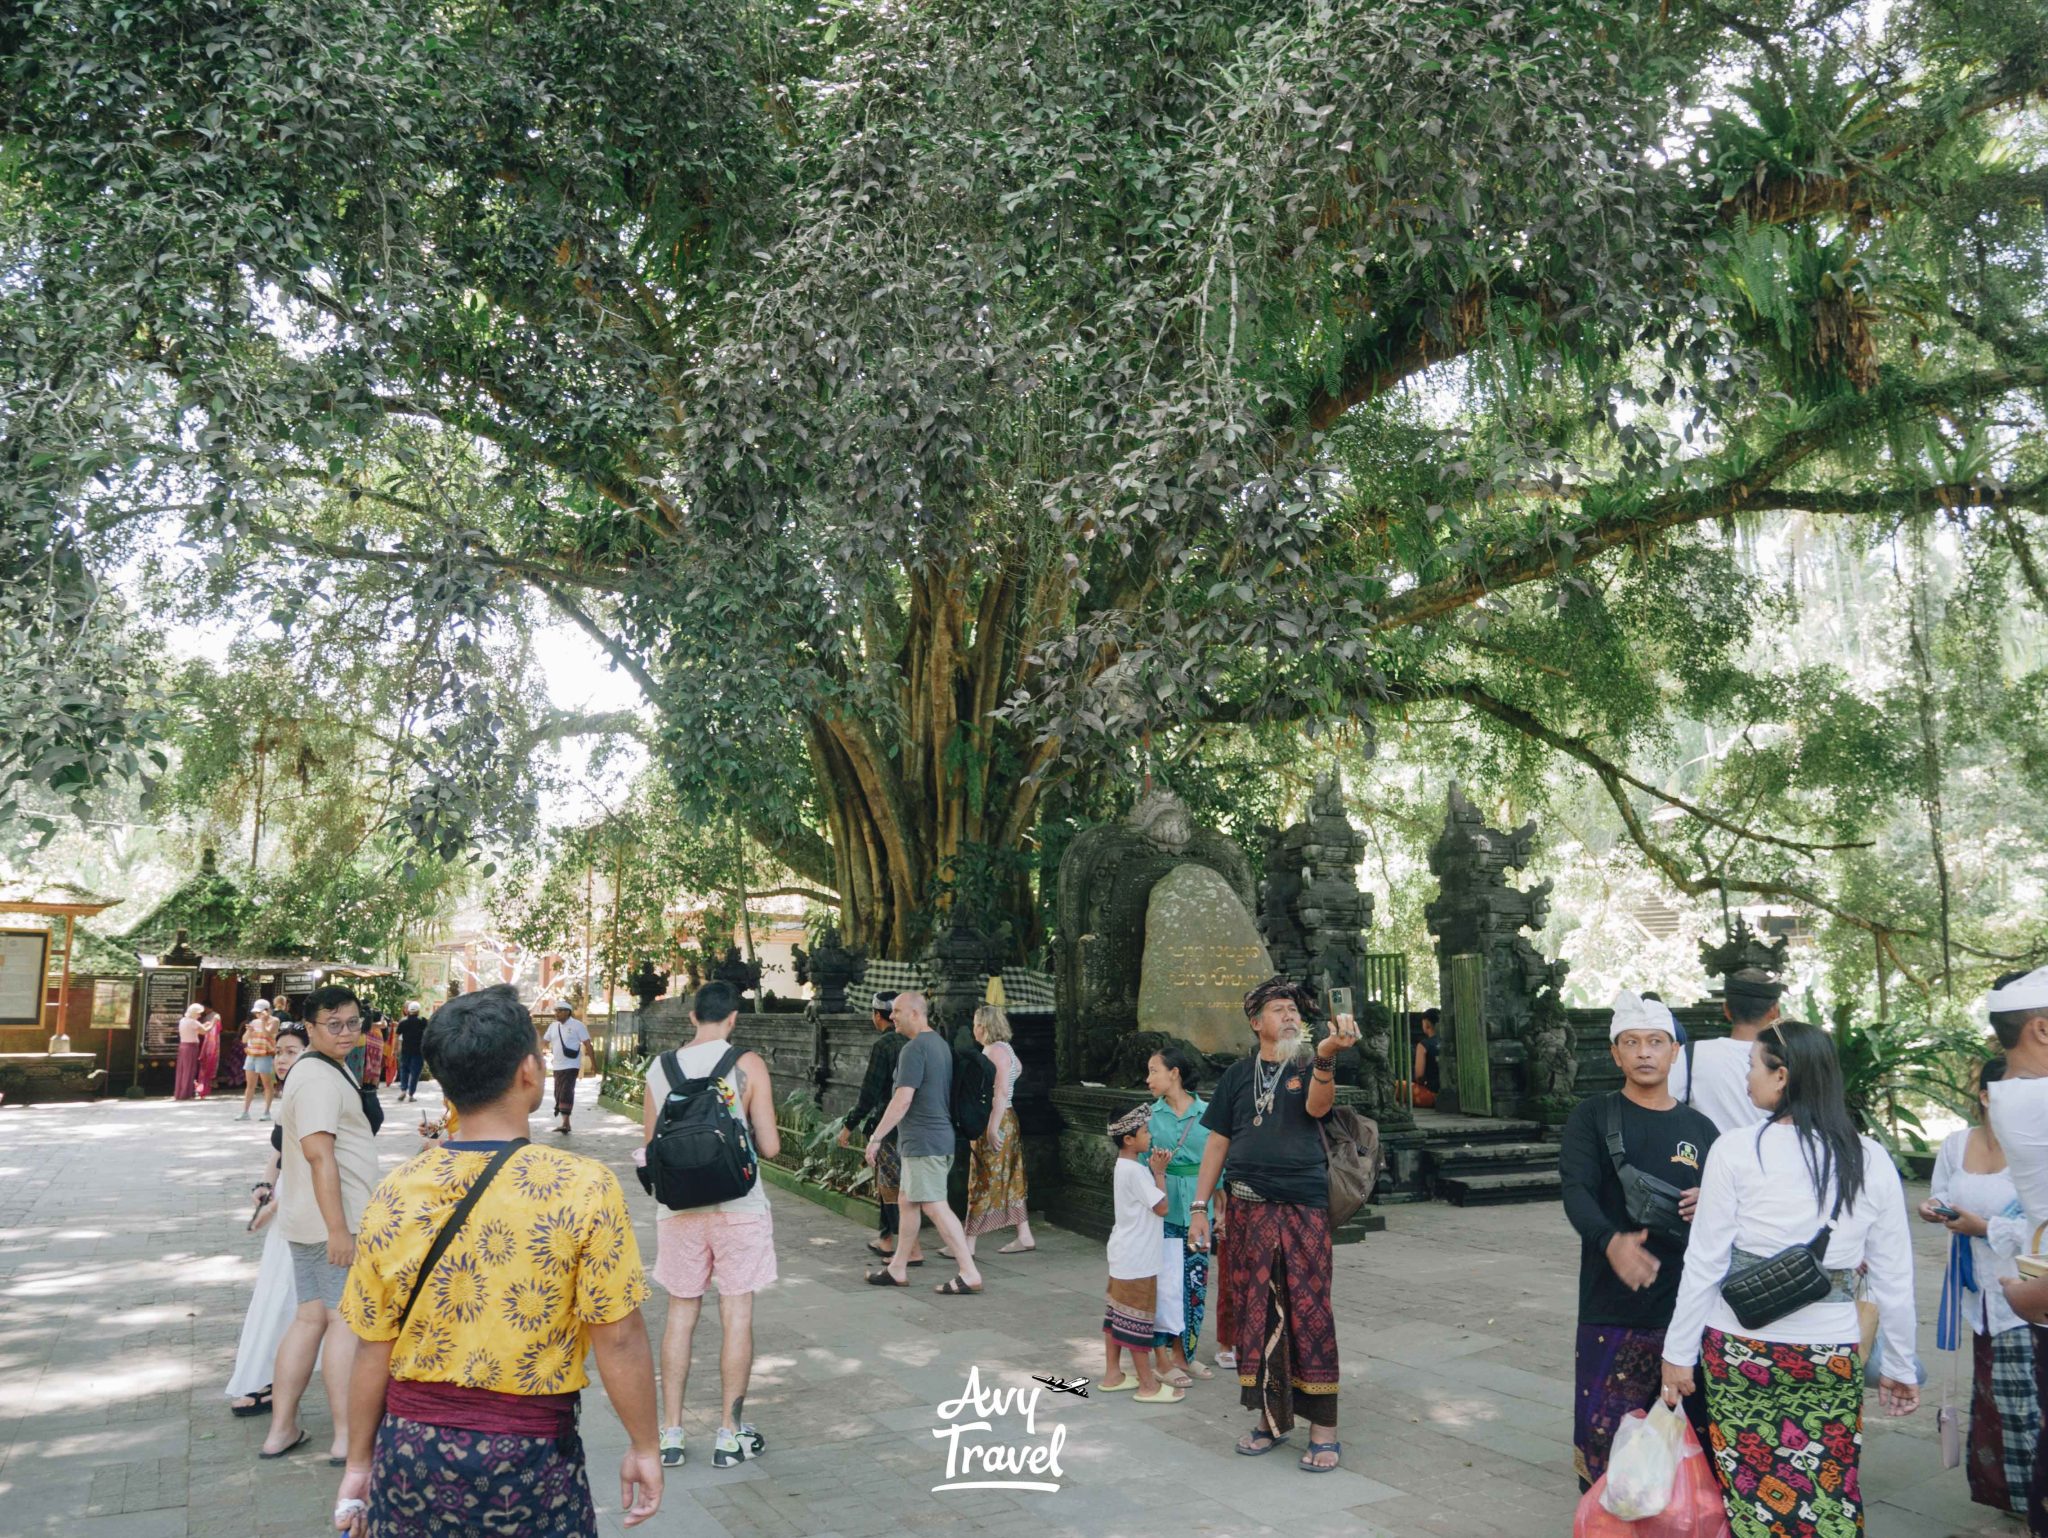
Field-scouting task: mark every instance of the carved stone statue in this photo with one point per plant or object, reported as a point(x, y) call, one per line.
point(1745, 950)
point(1106, 881)
point(745, 976)
point(1375, 1071)
point(1553, 1059)
point(1477, 913)
point(830, 969)
point(647, 984)
point(959, 960)
point(1311, 911)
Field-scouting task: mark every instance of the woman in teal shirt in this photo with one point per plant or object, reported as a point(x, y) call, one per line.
point(1178, 1138)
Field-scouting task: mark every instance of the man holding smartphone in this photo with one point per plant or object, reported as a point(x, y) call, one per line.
point(1266, 1151)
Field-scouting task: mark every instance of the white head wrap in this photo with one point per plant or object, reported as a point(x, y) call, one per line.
point(2029, 992)
point(1632, 1012)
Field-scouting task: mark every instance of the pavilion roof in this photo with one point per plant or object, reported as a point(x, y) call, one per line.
point(209, 908)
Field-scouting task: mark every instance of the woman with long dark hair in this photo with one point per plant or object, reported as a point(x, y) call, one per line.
point(1785, 1396)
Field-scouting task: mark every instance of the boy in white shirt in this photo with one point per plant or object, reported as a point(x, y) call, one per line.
point(1134, 1246)
point(1713, 1076)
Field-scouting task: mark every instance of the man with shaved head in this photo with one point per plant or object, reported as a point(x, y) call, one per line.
point(920, 1113)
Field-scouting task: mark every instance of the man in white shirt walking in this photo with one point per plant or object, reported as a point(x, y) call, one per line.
point(566, 1039)
point(1713, 1076)
point(2018, 1006)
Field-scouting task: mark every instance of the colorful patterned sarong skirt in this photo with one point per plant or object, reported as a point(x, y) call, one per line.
point(995, 1181)
point(1786, 1434)
point(1128, 1317)
point(2005, 1420)
point(1286, 1333)
point(443, 1482)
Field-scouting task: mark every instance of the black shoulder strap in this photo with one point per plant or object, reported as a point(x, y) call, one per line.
point(1615, 1150)
point(672, 1070)
point(454, 1224)
point(1689, 1042)
point(340, 1068)
point(733, 1053)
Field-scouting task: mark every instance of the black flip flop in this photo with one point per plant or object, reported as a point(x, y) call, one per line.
point(1257, 1451)
point(882, 1278)
point(300, 1441)
point(260, 1407)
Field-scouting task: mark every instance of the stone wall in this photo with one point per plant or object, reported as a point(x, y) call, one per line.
point(31, 1076)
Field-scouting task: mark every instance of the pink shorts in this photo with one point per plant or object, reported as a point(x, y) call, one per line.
point(736, 1248)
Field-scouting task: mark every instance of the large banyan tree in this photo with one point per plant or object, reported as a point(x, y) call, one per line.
point(936, 406)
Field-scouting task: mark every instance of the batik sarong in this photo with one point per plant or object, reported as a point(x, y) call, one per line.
point(443, 1482)
point(1785, 1434)
point(995, 1181)
point(2005, 1420)
point(1619, 1370)
point(1180, 1320)
point(1286, 1333)
point(1128, 1316)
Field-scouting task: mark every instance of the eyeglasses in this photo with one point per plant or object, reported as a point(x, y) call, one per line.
point(340, 1027)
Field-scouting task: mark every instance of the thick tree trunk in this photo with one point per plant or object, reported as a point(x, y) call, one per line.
point(906, 791)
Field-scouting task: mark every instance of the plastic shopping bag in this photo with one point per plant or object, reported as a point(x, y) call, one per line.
point(1644, 1464)
point(1693, 1507)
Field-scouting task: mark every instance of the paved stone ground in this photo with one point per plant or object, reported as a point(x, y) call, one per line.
point(125, 1271)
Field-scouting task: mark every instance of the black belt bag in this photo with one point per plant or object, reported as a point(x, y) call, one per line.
point(1652, 1203)
point(1787, 1282)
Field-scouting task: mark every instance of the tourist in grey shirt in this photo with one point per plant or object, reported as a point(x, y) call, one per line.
point(921, 1108)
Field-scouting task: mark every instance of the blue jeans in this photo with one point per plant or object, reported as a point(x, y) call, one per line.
point(409, 1066)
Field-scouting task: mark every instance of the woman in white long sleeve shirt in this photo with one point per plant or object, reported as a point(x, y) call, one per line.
point(1785, 1400)
point(1972, 1182)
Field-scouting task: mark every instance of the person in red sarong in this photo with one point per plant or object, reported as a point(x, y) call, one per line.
point(209, 1054)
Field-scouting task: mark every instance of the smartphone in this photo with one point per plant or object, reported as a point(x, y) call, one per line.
point(1945, 1212)
point(1340, 1002)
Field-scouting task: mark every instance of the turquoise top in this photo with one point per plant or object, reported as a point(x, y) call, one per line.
point(1167, 1133)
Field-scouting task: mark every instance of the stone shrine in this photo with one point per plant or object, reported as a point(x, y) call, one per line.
point(830, 969)
point(1106, 879)
point(1477, 913)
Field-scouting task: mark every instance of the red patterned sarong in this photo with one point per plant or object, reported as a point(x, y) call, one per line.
point(1286, 1334)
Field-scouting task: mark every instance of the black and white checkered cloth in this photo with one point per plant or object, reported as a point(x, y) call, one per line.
point(1025, 992)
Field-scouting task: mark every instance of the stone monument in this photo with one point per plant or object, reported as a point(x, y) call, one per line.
point(1312, 913)
point(1744, 950)
point(647, 984)
point(745, 976)
point(830, 969)
point(1107, 926)
point(959, 960)
point(1477, 913)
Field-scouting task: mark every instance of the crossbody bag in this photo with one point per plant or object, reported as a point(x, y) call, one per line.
point(373, 1108)
point(1766, 1290)
point(1652, 1203)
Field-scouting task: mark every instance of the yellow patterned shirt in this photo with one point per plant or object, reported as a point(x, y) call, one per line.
point(546, 1252)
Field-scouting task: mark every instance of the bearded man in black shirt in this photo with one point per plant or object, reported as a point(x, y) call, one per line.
point(1629, 1265)
point(1266, 1148)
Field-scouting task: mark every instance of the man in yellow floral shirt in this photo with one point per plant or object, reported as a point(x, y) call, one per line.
point(464, 1409)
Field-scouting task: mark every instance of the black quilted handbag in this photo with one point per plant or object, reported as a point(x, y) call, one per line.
point(1769, 1290)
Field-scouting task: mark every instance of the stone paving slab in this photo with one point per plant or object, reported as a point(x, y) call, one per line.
point(124, 1273)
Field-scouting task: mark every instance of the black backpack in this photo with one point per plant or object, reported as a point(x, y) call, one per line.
point(974, 1092)
point(701, 1154)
